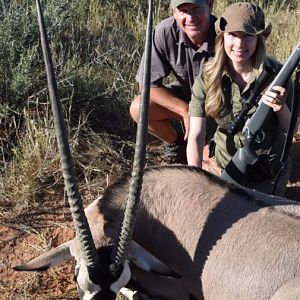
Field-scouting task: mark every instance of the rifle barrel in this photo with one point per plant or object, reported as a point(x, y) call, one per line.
point(257, 120)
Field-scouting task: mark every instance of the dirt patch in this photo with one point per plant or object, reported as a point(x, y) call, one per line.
point(19, 243)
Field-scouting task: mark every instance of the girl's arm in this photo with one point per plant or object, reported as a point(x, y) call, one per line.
point(196, 138)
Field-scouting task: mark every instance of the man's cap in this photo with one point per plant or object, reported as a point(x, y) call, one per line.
point(176, 3)
point(245, 17)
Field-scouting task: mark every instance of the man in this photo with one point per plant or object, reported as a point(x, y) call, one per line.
point(181, 45)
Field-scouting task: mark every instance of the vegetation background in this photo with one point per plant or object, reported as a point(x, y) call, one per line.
point(96, 48)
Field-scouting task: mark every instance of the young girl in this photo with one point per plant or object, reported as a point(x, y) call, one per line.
point(225, 82)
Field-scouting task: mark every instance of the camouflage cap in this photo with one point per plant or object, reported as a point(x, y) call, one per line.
point(176, 3)
point(245, 17)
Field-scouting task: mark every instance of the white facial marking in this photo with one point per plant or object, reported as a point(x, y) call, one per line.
point(129, 294)
point(123, 279)
point(88, 295)
point(84, 282)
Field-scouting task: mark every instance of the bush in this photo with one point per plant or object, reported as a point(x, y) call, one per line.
point(92, 43)
point(96, 48)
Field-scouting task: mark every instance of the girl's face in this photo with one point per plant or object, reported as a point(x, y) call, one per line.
point(239, 46)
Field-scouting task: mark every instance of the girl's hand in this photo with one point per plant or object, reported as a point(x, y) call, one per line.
point(275, 98)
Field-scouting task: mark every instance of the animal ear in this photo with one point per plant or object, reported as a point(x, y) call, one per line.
point(48, 259)
point(154, 285)
point(148, 262)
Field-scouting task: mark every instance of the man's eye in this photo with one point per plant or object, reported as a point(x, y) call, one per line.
point(199, 9)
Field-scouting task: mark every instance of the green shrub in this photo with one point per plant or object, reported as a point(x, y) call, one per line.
point(96, 48)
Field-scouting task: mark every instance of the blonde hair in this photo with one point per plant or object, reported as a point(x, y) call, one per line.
point(214, 68)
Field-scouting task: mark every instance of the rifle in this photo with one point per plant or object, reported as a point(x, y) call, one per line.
point(235, 171)
point(262, 82)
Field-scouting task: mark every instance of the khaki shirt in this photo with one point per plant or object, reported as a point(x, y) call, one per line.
point(173, 52)
point(271, 139)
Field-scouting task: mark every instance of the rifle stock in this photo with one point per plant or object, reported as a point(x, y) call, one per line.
point(235, 171)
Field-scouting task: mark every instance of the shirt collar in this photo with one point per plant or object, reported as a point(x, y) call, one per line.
point(253, 77)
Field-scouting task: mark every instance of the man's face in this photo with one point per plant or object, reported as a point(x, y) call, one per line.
point(193, 20)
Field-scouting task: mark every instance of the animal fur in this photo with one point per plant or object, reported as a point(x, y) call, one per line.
point(223, 242)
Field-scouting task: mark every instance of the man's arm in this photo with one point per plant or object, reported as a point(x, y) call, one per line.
point(163, 97)
point(176, 106)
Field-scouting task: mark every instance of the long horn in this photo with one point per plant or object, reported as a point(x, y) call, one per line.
point(83, 231)
point(139, 156)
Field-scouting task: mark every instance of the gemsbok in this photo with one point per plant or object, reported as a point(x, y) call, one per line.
point(213, 240)
point(195, 236)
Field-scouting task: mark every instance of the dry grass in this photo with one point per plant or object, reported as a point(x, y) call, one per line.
point(34, 169)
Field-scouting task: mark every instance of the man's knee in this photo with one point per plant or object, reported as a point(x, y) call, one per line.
point(134, 108)
point(156, 111)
